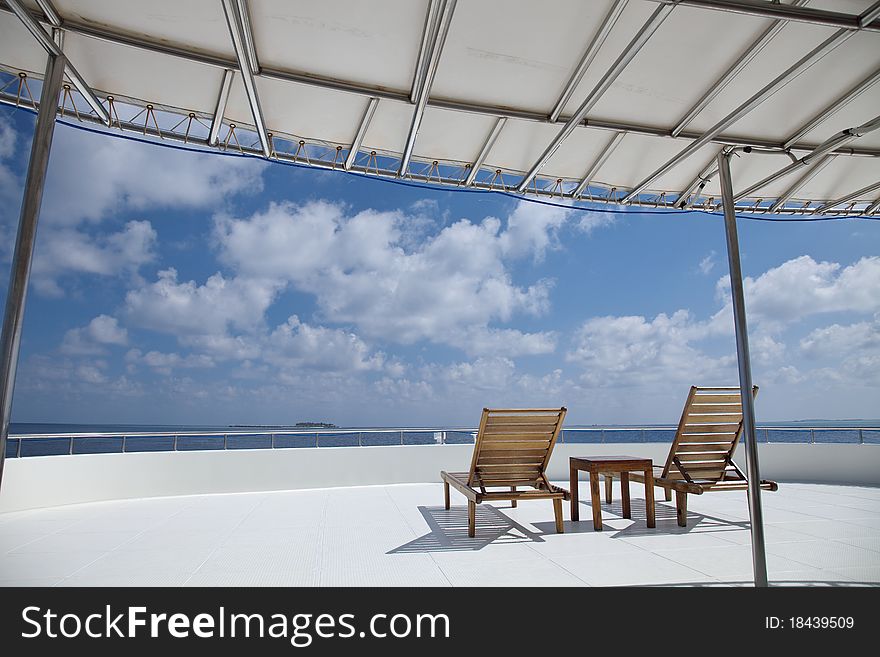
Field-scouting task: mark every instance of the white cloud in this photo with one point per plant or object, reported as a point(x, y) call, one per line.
point(632, 350)
point(802, 287)
point(707, 264)
point(92, 338)
point(187, 308)
point(295, 344)
point(164, 363)
point(853, 350)
point(69, 250)
point(8, 139)
point(91, 177)
point(447, 290)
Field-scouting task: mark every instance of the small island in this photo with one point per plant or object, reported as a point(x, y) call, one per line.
point(315, 425)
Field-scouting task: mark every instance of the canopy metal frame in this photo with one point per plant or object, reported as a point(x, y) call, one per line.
point(389, 164)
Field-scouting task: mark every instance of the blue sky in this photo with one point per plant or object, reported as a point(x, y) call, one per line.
point(173, 287)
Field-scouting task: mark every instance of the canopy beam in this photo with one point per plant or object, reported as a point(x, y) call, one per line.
point(220, 107)
point(428, 35)
point(54, 50)
point(808, 175)
point(484, 152)
point(849, 197)
point(233, 11)
point(13, 318)
point(597, 163)
point(361, 133)
point(589, 55)
point(751, 52)
point(446, 9)
point(833, 108)
point(840, 139)
point(769, 89)
point(759, 557)
point(632, 49)
point(864, 21)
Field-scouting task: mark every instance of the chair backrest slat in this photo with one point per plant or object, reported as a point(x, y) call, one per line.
point(513, 446)
point(707, 435)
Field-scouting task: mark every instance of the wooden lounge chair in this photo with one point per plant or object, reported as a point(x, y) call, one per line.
point(512, 449)
point(701, 457)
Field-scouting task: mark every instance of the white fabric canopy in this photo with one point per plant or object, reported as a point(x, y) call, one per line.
point(319, 64)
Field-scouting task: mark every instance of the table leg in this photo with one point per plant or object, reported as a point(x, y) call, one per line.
point(573, 487)
point(594, 501)
point(649, 498)
point(624, 494)
point(608, 481)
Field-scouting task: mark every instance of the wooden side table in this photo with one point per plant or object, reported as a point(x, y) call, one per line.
point(620, 465)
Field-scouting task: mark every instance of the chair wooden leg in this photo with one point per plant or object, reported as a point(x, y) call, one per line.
point(595, 502)
point(446, 494)
point(557, 511)
point(472, 519)
point(513, 502)
point(681, 508)
point(608, 481)
point(667, 493)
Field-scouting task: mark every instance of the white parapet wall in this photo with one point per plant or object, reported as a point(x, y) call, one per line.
point(46, 481)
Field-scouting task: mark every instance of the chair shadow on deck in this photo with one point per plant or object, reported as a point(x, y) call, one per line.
point(665, 515)
point(449, 530)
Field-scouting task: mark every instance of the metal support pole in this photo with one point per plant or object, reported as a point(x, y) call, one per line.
point(759, 558)
point(24, 243)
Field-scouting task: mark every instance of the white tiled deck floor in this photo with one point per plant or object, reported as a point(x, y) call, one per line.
point(401, 535)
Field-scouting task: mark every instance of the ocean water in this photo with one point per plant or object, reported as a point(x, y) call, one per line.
point(59, 440)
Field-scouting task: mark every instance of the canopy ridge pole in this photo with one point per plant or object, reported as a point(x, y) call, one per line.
point(833, 108)
point(234, 10)
point(484, 152)
point(429, 34)
point(837, 141)
point(759, 558)
point(849, 197)
point(244, 16)
point(361, 132)
point(759, 97)
point(787, 12)
point(220, 106)
point(809, 174)
point(603, 156)
point(446, 10)
point(49, 12)
point(589, 55)
point(632, 49)
point(13, 318)
point(873, 207)
point(751, 52)
point(53, 48)
point(869, 15)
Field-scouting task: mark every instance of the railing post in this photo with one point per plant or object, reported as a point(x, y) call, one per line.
point(174, 443)
point(861, 438)
point(360, 438)
point(316, 439)
point(123, 444)
point(602, 436)
point(443, 438)
point(272, 439)
point(70, 449)
point(401, 437)
point(18, 449)
point(225, 441)
point(812, 437)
